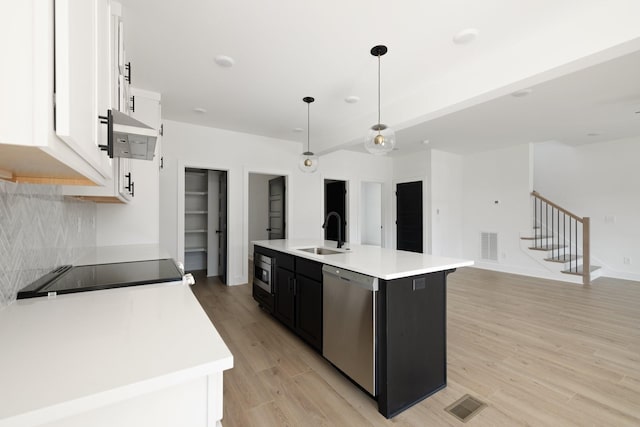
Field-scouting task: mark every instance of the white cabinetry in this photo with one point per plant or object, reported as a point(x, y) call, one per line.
point(38, 144)
point(132, 178)
point(129, 176)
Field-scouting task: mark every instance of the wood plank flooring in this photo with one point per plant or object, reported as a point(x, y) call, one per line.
point(538, 352)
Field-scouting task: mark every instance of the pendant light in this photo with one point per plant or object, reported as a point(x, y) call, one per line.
point(381, 139)
point(308, 161)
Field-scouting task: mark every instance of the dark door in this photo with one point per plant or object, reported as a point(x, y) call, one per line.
point(276, 208)
point(284, 296)
point(222, 228)
point(409, 216)
point(335, 195)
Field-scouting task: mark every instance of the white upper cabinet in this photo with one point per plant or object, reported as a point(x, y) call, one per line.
point(45, 137)
point(132, 179)
point(76, 53)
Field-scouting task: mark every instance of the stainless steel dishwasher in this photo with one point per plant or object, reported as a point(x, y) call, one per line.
point(349, 318)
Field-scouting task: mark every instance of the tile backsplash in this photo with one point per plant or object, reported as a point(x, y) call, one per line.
point(39, 229)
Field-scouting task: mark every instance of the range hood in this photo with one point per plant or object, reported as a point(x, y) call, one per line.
point(128, 137)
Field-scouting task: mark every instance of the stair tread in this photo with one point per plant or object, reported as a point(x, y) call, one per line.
point(581, 269)
point(547, 247)
point(563, 258)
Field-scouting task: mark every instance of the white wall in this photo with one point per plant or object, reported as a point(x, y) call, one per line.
point(600, 181)
point(504, 176)
point(371, 214)
point(259, 208)
point(446, 204)
point(186, 145)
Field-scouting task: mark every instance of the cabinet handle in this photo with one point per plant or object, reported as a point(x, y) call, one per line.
point(107, 120)
point(295, 287)
point(127, 67)
point(130, 185)
point(268, 229)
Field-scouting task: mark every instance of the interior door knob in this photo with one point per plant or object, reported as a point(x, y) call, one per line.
point(268, 229)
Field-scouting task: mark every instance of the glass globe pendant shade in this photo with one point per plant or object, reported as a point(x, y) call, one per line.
point(380, 140)
point(308, 162)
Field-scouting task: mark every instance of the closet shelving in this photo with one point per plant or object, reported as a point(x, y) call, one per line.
point(196, 218)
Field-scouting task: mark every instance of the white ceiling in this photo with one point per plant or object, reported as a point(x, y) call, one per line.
point(456, 96)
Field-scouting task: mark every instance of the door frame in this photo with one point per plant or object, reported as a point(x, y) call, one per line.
point(182, 165)
point(426, 212)
point(347, 202)
point(245, 206)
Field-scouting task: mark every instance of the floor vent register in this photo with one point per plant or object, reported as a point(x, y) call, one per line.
point(465, 408)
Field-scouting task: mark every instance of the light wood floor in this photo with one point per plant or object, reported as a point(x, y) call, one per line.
point(538, 352)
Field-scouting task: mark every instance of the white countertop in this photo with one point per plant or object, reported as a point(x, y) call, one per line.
point(123, 253)
point(76, 352)
point(386, 264)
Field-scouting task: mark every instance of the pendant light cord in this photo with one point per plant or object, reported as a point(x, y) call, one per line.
point(378, 94)
point(308, 125)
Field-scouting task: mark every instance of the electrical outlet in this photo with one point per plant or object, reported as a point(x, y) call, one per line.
point(626, 260)
point(609, 219)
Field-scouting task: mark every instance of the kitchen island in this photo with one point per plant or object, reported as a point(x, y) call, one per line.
point(138, 356)
point(405, 313)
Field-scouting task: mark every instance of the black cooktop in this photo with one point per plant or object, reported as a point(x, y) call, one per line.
point(68, 279)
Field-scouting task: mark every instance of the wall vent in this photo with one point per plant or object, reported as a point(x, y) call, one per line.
point(489, 246)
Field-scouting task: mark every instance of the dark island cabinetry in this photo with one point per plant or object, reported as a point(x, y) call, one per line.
point(297, 295)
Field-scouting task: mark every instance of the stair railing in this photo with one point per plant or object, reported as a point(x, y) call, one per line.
point(566, 231)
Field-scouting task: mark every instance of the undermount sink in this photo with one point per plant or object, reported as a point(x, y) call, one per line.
point(322, 251)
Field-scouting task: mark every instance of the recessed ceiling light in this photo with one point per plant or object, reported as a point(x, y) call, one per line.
point(465, 36)
point(522, 92)
point(200, 110)
point(297, 130)
point(352, 99)
point(425, 142)
point(593, 134)
point(224, 61)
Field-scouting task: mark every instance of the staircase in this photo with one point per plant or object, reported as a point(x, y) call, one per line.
point(560, 240)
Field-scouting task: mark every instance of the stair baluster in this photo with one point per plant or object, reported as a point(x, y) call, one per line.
point(551, 235)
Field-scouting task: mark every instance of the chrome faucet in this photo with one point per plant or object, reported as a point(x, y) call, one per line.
point(326, 220)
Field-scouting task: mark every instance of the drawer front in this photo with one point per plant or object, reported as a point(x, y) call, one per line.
point(285, 261)
point(308, 268)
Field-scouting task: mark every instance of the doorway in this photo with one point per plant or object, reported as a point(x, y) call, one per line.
point(409, 219)
point(371, 213)
point(266, 208)
point(335, 200)
point(205, 221)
